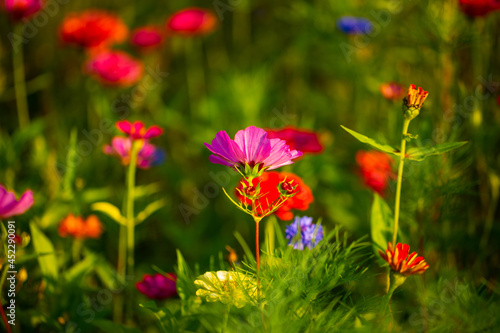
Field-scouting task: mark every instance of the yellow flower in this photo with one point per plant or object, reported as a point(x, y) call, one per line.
point(233, 288)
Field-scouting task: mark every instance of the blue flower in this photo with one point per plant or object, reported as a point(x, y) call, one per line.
point(310, 233)
point(354, 25)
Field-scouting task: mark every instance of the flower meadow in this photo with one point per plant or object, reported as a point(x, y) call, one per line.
point(249, 166)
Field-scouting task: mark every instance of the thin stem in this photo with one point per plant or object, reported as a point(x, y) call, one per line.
point(77, 249)
point(130, 205)
point(400, 179)
point(257, 250)
point(4, 318)
point(19, 81)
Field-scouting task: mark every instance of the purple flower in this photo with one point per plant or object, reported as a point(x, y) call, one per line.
point(310, 233)
point(251, 147)
point(158, 286)
point(148, 156)
point(354, 25)
point(9, 206)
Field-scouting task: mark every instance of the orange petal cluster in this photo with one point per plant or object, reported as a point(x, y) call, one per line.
point(415, 97)
point(402, 263)
point(77, 227)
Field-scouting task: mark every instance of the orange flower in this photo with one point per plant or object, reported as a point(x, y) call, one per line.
point(269, 190)
point(402, 263)
point(415, 98)
point(375, 169)
point(77, 227)
point(93, 29)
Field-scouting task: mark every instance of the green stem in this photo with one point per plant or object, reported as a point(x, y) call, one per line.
point(77, 249)
point(130, 205)
point(19, 81)
point(402, 155)
point(257, 252)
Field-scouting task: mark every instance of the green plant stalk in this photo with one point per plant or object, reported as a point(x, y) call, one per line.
point(77, 249)
point(130, 205)
point(402, 154)
point(19, 82)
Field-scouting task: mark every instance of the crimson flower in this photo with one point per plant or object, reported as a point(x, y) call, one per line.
point(477, 8)
point(137, 130)
point(402, 263)
point(9, 206)
point(93, 28)
point(192, 21)
point(297, 139)
point(158, 286)
point(20, 9)
point(115, 68)
point(269, 182)
point(147, 37)
point(375, 169)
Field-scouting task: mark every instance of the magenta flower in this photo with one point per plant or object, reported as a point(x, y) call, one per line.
point(137, 130)
point(147, 37)
point(19, 9)
point(115, 68)
point(9, 206)
point(251, 147)
point(158, 286)
point(192, 21)
point(148, 156)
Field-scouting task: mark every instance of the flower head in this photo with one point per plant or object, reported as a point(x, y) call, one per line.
point(158, 286)
point(148, 156)
point(477, 8)
point(354, 25)
point(402, 263)
point(77, 227)
point(9, 206)
point(252, 150)
point(115, 68)
point(268, 186)
point(137, 130)
point(227, 287)
point(21, 9)
point(375, 169)
point(93, 29)
point(297, 139)
point(413, 101)
point(392, 91)
point(147, 37)
point(192, 21)
point(302, 233)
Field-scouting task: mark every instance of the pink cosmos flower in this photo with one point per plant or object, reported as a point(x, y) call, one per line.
point(158, 286)
point(137, 130)
point(192, 21)
point(19, 9)
point(251, 147)
point(9, 206)
point(148, 156)
point(115, 68)
point(147, 37)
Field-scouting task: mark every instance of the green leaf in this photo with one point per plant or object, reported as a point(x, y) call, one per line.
point(146, 190)
point(419, 153)
point(110, 210)
point(245, 246)
point(382, 224)
point(372, 142)
point(47, 258)
point(78, 271)
point(150, 209)
point(166, 319)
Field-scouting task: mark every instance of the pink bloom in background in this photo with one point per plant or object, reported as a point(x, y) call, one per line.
point(192, 21)
point(147, 37)
point(137, 130)
point(158, 286)
point(251, 146)
point(9, 206)
point(115, 68)
point(393, 91)
point(19, 9)
point(148, 156)
point(376, 169)
point(297, 139)
point(476, 8)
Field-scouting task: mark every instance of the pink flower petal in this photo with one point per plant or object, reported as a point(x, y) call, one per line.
point(153, 131)
point(254, 143)
point(124, 126)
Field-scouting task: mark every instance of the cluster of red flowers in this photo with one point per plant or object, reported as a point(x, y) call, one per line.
point(78, 227)
point(375, 169)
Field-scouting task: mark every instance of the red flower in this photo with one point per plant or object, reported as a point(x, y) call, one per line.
point(192, 21)
point(392, 91)
point(137, 130)
point(147, 37)
point(115, 68)
point(402, 263)
point(93, 28)
point(20, 9)
point(415, 98)
point(297, 139)
point(269, 190)
point(476, 8)
point(158, 286)
point(77, 227)
point(375, 169)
